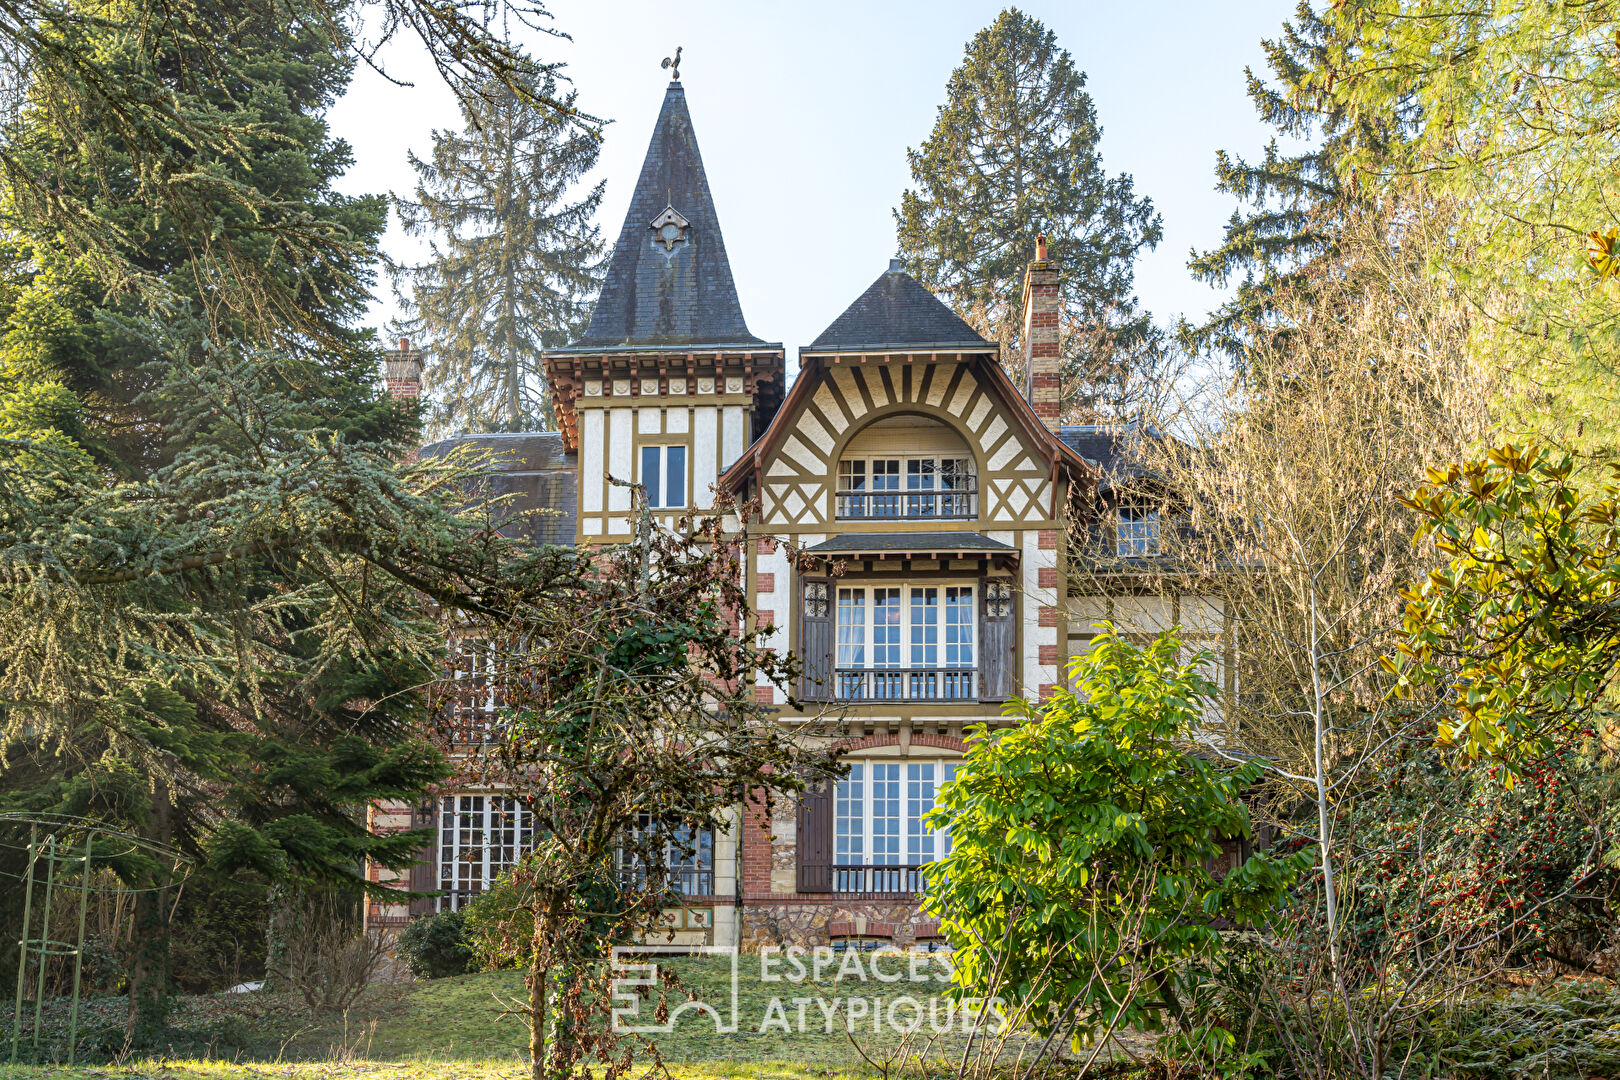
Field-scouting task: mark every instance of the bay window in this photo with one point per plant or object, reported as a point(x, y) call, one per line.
point(907, 487)
point(905, 642)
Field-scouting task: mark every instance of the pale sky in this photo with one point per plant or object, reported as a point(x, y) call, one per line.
point(804, 113)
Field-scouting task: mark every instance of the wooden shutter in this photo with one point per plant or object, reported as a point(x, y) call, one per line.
point(816, 638)
point(815, 838)
point(425, 872)
point(998, 611)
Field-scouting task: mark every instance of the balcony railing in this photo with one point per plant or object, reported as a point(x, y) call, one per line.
point(906, 684)
point(880, 880)
point(686, 881)
point(683, 880)
point(907, 505)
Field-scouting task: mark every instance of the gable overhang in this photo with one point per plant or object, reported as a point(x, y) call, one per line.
point(813, 363)
point(761, 365)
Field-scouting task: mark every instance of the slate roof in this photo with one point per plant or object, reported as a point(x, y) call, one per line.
point(1110, 446)
point(537, 474)
point(911, 541)
point(682, 294)
point(896, 310)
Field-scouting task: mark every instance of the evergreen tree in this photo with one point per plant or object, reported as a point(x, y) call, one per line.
point(191, 646)
point(1013, 154)
point(515, 259)
point(1296, 203)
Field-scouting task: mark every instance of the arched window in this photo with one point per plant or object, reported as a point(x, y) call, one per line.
point(907, 467)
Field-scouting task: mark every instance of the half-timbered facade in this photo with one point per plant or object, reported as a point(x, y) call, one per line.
point(927, 497)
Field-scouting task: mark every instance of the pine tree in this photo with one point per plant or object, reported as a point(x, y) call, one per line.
point(515, 259)
point(190, 646)
point(1013, 154)
point(1296, 203)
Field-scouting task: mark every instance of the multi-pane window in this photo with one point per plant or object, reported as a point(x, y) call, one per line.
point(905, 642)
point(907, 487)
point(480, 838)
point(879, 810)
point(849, 818)
point(1137, 531)
point(688, 857)
point(663, 474)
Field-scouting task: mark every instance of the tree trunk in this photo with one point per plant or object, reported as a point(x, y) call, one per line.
point(149, 962)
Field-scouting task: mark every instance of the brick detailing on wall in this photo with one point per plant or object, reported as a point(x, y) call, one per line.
point(1048, 615)
point(764, 620)
point(1046, 539)
point(765, 695)
point(1042, 307)
point(1049, 654)
point(756, 847)
point(766, 545)
point(1048, 690)
point(1046, 577)
point(764, 583)
point(939, 742)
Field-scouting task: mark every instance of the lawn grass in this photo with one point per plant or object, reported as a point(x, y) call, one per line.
point(464, 1027)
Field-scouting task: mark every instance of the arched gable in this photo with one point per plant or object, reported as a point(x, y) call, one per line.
point(796, 469)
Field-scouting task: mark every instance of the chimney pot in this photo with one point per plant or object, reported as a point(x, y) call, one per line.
point(404, 344)
point(1040, 247)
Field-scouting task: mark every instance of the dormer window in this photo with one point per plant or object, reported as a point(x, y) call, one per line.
point(1137, 530)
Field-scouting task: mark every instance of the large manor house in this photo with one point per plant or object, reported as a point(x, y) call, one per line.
point(901, 452)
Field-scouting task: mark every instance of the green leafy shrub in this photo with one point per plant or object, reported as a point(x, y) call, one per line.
point(499, 927)
point(1079, 884)
point(435, 946)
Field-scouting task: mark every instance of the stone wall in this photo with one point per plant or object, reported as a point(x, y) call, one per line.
point(808, 924)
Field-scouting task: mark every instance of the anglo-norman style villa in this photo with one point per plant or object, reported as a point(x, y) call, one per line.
point(901, 450)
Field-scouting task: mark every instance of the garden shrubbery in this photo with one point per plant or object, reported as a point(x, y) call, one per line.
point(435, 946)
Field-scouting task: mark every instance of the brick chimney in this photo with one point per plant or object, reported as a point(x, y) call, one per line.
point(402, 370)
point(1041, 310)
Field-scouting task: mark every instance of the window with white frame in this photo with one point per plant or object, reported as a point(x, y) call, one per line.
point(688, 857)
point(1137, 530)
point(480, 838)
point(663, 474)
point(476, 701)
point(904, 642)
point(907, 487)
point(879, 814)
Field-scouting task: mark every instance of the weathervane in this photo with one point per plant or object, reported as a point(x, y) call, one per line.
point(674, 65)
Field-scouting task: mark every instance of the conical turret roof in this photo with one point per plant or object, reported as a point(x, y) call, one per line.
point(669, 281)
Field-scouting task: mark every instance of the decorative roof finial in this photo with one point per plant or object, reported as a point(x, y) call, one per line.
point(674, 65)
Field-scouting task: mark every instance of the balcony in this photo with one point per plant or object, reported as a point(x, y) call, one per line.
point(907, 505)
point(868, 881)
point(686, 882)
point(906, 684)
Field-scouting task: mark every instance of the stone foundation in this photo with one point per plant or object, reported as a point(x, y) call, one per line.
point(811, 924)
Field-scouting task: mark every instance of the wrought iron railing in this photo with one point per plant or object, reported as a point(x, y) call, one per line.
point(906, 684)
point(907, 505)
point(681, 880)
point(880, 880)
